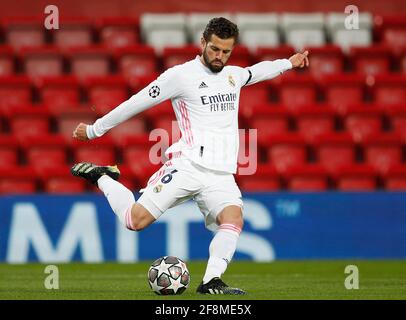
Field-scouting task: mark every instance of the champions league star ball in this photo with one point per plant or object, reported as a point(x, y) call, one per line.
point(168, 276)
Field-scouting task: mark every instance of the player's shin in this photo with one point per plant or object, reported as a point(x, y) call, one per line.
point(120, 198)
point(221, 250)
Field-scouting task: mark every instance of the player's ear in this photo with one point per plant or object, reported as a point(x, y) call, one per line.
point(202, 43)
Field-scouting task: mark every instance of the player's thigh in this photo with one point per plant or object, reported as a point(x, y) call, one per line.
point(168, 187)
point(221, 196)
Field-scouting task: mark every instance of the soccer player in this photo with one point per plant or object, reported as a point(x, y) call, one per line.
point(204, 93)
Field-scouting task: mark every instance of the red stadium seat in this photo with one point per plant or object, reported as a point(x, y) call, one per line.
point(334, 150)
point(67, 120)
point(383, 151)
point(128, 179)
point(73, 32)
point(59, 93)
point(137, 157)
point(296, 90)
point(136, 61)
point(24, 32)
point(42, 61)
point(326, 60)
point(371, 60)
point(268, 120)
point(8, 151)
point(119, 32)
point(402, 60)
point(356, 177)
point(395, 178)
point(89, 62)
point(253, 95)
point(313, 121)
point(100, 151)
point(342, 90)
point(306, 178)
point(397, 116)
point(363, 121)
point(133, 126)
point(240, 57)
point(270, 54)
point(17, 180)
point(14, 91)
point(284, 151)
point(393, 29)
point(45, 152)
point(389, 89)
point(6, 61)
point(106, 93)
point(265, 178)
point(61, 181)
point(173, 56)
point(139, 83)
point(29, 122)
point(163, 117)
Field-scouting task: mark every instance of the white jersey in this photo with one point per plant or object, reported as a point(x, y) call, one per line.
point(206, 108)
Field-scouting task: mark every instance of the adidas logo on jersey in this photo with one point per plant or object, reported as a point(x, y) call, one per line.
point(203, 85)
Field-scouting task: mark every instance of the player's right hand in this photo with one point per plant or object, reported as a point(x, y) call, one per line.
point(80, 132)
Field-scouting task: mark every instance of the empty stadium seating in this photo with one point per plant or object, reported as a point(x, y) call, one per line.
point(42, 62)
point(136, 61)
point(311, 177)
point(106, 93)
point(356, 177)
point(266, 178)
point(284, 151)
point(334, 151)
point(341, 124)
point(24, 32)
point(6, 61)
point(118, 32)
point(73, 32)
point(59, 93)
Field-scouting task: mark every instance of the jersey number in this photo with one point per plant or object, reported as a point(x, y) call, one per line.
point(168, 177)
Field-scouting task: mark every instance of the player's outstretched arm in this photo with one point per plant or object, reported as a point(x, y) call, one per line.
point(165, 87)
point(267, 70)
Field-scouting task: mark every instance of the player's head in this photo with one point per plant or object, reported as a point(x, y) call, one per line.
point(218, 41)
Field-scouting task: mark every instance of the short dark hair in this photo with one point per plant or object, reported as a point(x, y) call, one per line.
point(222, 28)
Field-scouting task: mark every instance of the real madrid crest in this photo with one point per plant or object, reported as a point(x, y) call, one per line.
point(158, 188)
point(231, 80)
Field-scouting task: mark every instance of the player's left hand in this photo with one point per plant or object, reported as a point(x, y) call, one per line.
point(300, 60)
point(80, 132)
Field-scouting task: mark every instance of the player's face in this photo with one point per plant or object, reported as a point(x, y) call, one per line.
point(216, 52)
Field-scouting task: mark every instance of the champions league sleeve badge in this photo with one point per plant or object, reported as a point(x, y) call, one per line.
point(154, 91)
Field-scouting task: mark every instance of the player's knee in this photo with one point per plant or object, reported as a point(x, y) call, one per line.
point(139, 225)
point(231, 215)
point(140, 218)
point(238, 222)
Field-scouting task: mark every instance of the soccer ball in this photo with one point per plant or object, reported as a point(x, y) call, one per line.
point(168, 275)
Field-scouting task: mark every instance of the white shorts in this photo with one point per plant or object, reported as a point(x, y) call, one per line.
point(179, 180)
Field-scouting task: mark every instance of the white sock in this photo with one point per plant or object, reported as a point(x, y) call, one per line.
point(221, 250)
point(119, 197)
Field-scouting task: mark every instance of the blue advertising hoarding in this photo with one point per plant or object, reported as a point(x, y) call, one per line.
point(330, 225)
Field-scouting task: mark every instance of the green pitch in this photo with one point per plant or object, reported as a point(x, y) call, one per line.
point(277, 280)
